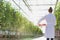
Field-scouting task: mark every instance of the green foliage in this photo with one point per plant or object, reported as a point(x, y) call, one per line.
point(57, 13)
point(10, 19)
point(7, 15)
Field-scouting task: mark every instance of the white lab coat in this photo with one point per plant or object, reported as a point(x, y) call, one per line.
point(51, 22)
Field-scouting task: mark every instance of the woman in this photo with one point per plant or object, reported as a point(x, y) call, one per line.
point(51, 22)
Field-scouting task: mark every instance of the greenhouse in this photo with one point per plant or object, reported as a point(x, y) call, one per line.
point(19, 19)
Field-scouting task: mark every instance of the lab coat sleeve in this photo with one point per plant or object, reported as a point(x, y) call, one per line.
point(41, 19)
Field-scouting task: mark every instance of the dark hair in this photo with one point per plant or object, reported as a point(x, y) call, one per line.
point(50, 10)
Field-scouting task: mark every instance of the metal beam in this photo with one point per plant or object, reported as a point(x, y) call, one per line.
point(19, 7)
point(41, 4)
point(56, 4)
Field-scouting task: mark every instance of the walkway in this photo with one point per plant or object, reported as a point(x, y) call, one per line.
point(40, 38)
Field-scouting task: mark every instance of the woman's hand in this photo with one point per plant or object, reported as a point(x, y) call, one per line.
point(41, 24)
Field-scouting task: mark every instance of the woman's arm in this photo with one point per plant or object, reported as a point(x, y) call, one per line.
point(41, 19)
point(42, 24)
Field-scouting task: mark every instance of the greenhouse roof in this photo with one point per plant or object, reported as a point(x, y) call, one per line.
point(39, 8)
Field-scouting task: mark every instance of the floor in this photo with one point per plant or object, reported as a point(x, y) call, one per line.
point(40, 38)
